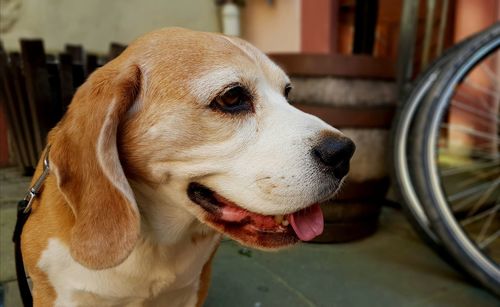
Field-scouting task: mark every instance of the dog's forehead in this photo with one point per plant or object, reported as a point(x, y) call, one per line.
point(272, 72)
point(206, 58)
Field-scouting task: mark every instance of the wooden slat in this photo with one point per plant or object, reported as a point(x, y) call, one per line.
point(23, 104)
point(9, 103)
point(67, 90)
point(337, 65)
point(78, 75)
point(115, 49)
point(38, 87)
point(4, 144)
point(92, 63)
point(56, 109)
point(352, 117)
point(50, 58)
point(77, 53)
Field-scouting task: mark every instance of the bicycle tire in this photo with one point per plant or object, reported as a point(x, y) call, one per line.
point(400, 141)
point(428, 182)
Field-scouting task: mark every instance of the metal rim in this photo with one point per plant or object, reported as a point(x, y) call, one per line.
point(442, 208)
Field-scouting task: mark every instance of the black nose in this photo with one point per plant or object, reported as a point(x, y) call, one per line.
point(335, 153)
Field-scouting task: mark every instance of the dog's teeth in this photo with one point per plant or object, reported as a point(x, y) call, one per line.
point(278, 219)
point(284, 223)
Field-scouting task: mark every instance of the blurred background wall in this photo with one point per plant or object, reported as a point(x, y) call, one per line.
point(95, 23)
point(273, 28)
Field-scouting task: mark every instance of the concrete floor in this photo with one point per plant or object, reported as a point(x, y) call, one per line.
point(391, 268)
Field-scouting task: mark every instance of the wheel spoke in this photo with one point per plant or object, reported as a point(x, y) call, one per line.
point(481, 89)
point(468, 152)
point(486, 226)
point(470, 131)
point(477, 217)
point(480, 100)
point(489, 240)
point(467, 168)
point(479, 177)
point(465, 202)
point(473, 190)
point(475, 111)
point(489, 72)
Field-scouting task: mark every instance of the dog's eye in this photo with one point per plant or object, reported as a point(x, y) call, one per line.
point(287, 90)
point(234, 100)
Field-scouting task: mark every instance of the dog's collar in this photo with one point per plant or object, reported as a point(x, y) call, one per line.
point(35, 188)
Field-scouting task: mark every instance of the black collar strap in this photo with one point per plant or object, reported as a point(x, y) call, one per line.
point(23, 212)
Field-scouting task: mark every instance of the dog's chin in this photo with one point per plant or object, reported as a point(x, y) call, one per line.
point(249, 228)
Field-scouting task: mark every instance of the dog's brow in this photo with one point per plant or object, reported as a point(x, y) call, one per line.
point(243, 49)
point(259, 58)
point(212, 81)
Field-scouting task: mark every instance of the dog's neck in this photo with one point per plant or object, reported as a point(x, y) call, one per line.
point(162, 222)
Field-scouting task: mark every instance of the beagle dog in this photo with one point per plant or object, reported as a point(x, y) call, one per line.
point(182, 138)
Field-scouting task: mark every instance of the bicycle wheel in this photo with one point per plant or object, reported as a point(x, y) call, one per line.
point(400, 157)
point(457, 162)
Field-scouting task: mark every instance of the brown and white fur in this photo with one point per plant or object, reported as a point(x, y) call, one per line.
point(114, 225)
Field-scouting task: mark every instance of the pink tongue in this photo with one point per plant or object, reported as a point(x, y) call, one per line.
point(308, 222)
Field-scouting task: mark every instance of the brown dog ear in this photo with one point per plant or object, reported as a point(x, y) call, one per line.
point(85, 160)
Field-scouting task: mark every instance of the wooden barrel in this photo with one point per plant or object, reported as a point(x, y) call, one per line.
point(363, 110)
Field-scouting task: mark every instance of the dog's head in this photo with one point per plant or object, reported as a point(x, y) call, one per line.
point(199, 125)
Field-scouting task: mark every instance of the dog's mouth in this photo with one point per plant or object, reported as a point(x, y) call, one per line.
point(267, 231)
